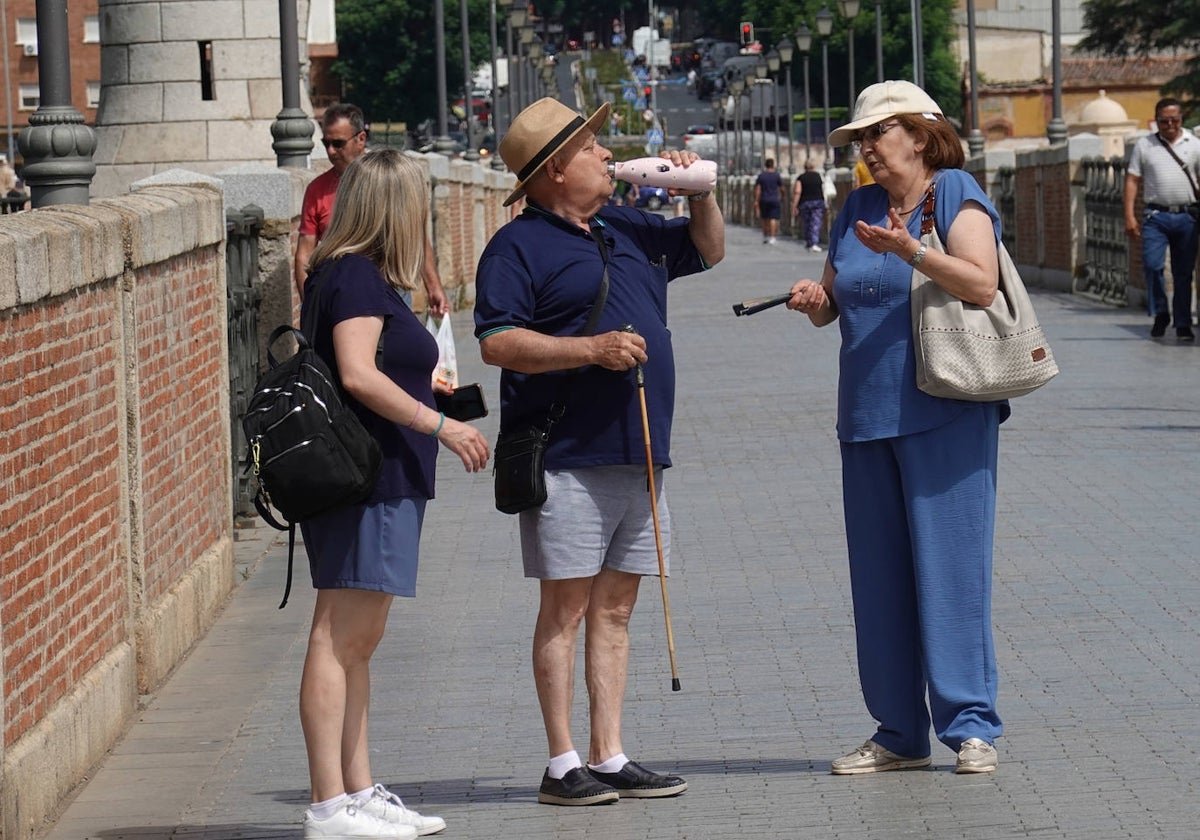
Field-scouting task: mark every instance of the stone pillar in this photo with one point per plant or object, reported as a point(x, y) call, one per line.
point(188, 83)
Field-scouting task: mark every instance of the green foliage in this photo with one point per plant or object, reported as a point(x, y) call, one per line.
point(1123, 27)
point(386, 55)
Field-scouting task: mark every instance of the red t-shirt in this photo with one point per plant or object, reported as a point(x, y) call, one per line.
point(318, 204)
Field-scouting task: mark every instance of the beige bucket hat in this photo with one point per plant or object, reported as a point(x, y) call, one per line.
point(539, 132)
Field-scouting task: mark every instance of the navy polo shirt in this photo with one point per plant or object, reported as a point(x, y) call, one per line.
point(352, 287)
point(540, 272)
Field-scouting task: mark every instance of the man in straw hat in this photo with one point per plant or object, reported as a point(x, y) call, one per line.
point(593, 539)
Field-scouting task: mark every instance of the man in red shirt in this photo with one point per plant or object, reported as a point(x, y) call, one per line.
point(344, 134)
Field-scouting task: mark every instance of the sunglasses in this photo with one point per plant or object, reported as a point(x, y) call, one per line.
point(336, 144)
point(873, 133)
point(1169, 120)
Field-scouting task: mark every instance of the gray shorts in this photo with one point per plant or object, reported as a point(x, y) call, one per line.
point(594, 518)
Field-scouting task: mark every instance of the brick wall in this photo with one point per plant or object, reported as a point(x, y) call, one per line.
point(115, 520)
point(63, 598)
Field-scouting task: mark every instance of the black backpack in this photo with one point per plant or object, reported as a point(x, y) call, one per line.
point(308, 450)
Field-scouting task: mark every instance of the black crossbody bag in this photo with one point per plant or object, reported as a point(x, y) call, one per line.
point(519, 459)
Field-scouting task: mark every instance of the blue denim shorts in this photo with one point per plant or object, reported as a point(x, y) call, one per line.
point(372, 547)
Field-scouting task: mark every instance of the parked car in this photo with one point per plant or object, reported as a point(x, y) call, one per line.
point(652, 198)
point(701, 129)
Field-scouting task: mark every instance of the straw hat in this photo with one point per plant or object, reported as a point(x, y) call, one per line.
point(882, 101)
point(539, 132)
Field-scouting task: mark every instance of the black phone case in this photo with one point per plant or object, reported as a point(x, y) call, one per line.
point(466, 403)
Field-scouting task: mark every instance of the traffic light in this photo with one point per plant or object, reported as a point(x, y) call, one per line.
point(747, 32)
point(646, 91)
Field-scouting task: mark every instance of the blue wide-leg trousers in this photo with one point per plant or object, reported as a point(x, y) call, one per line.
point(920, 520)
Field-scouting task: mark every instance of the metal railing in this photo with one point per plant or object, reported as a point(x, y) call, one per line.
point(1006, 204)
point(243, 297)
point(1106, 248)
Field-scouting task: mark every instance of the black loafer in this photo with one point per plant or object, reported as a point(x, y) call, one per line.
point(635, 781)
point(578, 787)
point(1185, 334)
point(1160, 326)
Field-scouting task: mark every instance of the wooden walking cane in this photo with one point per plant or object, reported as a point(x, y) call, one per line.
point(662, 567)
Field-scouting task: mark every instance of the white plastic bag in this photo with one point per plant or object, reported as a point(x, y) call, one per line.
point(828, 187)
point(445, 375)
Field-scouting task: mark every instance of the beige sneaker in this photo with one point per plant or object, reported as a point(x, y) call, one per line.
point(976, 756)
point(872, 758)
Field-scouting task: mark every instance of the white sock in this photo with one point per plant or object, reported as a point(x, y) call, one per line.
point(613, 765)
point(560, 765)
point(325, 810)
point(363, 795)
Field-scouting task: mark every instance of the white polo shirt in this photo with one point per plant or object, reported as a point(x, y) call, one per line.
point(1163, 181)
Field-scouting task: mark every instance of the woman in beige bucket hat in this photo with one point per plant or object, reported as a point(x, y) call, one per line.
point(918, 471)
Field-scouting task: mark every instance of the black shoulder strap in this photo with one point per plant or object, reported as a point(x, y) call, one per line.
point(1182, 165)
point(557, 408)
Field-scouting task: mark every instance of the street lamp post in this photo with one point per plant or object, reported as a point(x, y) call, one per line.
point(879, 40)
point(849, 10)
point(975, 137)
point(1056, 131)
point(527, 72)
point(468, 99)
point(773, 61)
point(443, 143)
point(804, 44)
point(760, 77)
point(786, 51)
point(718, 106)
point(736, 87)
point(824, 27)
point(516, 21)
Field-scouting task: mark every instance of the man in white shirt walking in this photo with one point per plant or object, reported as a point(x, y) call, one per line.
point(1167, 165)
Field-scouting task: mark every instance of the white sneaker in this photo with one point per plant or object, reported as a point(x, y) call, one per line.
point(816, 249)
point(387, 806)
point(771, 241)
point(353, 823)
point(976, 756)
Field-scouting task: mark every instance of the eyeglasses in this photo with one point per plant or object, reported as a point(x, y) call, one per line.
point(337, 144)
point(1169, 120)
point(873, 133)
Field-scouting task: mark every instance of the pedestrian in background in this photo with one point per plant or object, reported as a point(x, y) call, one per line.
point(918, 472)
point(1167, 164)
point(808, 204)
point(593, 539)
point(344, 135)
point(363, 555)
point(768, 195)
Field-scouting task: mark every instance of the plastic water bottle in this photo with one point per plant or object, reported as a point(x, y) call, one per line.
point(660, 172)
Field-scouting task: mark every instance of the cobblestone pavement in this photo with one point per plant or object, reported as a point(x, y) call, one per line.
point(1097, 585)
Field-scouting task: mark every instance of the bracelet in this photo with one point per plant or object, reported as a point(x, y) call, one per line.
point(413, 422)
point(441, 422)
point(699, 196)
point(919, 256)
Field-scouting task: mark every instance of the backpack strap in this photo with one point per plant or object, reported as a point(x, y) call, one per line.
point(264, 510)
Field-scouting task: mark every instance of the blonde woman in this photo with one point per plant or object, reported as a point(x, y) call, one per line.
point(364, 555)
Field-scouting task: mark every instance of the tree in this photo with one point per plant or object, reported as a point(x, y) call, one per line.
point(1124, 27)
point(386, 55)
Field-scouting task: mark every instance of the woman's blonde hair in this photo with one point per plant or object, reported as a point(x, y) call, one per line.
point(379, 213)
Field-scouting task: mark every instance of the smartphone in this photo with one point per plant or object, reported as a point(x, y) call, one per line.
point(465, 403)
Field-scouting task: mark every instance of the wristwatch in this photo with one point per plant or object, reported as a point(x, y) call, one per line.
point(699, 196)
point(919, 256)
